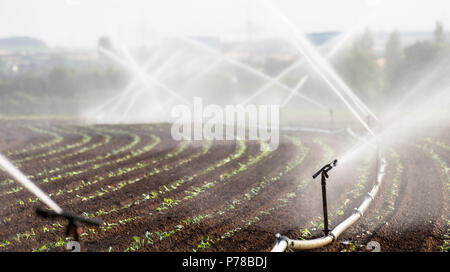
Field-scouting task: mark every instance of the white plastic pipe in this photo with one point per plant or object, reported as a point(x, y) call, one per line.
point(282, 242)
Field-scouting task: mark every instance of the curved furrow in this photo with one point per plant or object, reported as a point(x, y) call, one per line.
point(64, 159)
point(437, 142)
point(22, 202)
point(416, 226)
point(117, 175)
point(188, 200)
point(284, 217)
point(70, 201)
point(68, 176)
point(71, 140)
point(382, 208)
point(222, 238)
point(186, 229)
point(114, 189)
point(162, 191)
point(121, 216)
point(352, 196)
point(80, 140)
point(36, 147)
point(442, 228)
point(107, 159)
point(178, 184)
point(15, 138)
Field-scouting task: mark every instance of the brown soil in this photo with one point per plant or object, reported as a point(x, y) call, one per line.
point(415, 219)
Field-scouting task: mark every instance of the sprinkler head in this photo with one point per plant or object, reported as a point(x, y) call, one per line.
point(69, 216)
point(325, 169)
point(73, 228)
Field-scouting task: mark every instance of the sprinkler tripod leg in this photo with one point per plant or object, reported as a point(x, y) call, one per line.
point(324, 200)
point(74, 230)
point(324, 176)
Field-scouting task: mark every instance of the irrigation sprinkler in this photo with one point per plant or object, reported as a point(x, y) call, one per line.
point(73, 227)
point(324, 173)
point(283, 243)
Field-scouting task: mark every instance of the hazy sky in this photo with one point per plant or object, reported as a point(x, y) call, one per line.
point(79, 23)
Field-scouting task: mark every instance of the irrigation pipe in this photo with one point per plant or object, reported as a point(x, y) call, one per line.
point(319, 130)
point(282, 243)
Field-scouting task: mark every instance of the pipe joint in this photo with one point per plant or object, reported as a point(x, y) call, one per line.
point(279, 238)
point(358, 211)
point(333, 236)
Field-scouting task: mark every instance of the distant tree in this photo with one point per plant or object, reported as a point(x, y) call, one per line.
point(439, 36)
point(427, 57)
point(61, 82)
point(394, 58)
point(420, 54)
point(105, 42)
point(366, 41)
point(359, 67)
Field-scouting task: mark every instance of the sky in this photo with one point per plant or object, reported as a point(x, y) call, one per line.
point(79, 23)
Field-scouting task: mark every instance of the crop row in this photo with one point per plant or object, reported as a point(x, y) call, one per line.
point(441, 162)
point(328, 154)
point(106, 138)
point(241, 147)
point(162, 190)
point(388, 207)
point(33, 147)
point(85, 139)
point(445, 173)
point(150, 237)
point(343, 206)
point(84, 184)
point(119, 172)
point(98, 165)
point(154, 171)
point(438, 143)
point(198, 190)
point(315, 224)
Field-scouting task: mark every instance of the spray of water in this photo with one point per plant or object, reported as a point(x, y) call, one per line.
point(247, 68)
point(131, 103)
point(411, 122)
point(142, 74)
point(97, 112)
point(321, 62)
point(294, 91)
point(338, 43)
point(28, 184)
point(321, 66)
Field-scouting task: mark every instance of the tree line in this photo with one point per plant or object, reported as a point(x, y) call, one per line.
point(386, 78)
